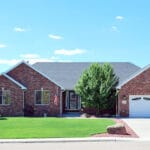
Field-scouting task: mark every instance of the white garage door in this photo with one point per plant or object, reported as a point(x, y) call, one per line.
point(139, 106)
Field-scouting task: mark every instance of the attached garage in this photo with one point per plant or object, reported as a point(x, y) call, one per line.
point(139, 106)
point(134, 95)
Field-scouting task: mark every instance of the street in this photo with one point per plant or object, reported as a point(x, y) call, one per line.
point(107, 145)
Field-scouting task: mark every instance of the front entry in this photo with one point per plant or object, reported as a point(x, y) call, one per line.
point(72, 101)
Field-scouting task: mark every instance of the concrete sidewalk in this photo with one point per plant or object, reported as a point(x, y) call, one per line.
point(62, 140)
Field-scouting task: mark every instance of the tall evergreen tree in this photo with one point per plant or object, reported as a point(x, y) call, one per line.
point(96, 87)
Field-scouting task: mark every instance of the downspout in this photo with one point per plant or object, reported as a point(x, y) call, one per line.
point(118, 105)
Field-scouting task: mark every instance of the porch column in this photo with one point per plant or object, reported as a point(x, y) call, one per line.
point(61, 103)
point(79, 103)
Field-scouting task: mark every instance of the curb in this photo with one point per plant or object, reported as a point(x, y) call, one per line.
point(62, 140)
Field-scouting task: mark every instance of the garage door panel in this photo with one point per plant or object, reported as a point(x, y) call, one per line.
point(139, 106)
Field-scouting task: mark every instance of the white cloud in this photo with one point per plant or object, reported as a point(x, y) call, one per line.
point(32, 61)
point(55, 37)
point(19, 29)
point(114, 29)
point(10, 62)
point(2, 46)
point(29, 56)
point(54, 58)
point(69, 52)
point(119, 17)
point(33, 58)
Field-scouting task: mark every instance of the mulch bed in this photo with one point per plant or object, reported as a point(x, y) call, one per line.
point(130, 132)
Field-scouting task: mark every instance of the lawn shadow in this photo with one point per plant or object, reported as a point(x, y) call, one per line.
point(3, 118)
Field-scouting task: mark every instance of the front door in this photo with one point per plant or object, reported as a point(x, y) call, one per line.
point(72, 101)
point(73, 104)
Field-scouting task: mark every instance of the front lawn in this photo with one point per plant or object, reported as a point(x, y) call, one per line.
point(19, 127)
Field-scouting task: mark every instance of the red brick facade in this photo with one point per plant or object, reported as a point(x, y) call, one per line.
point(140, 85)
point(32, 80)
point(23, 101)
point(16, 106)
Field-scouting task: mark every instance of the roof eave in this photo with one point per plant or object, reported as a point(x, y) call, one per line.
point(133, 76)
point(23, 62)
point(14, 81)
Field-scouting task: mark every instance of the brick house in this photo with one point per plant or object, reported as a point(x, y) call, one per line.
point(47, 88)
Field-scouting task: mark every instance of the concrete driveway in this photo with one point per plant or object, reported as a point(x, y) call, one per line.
point(140, 126)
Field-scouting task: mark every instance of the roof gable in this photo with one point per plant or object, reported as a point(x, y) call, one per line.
point(133, 76)
point(36, 70)
point(14, 81)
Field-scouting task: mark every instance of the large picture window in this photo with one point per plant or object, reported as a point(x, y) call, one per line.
point(5, 97)
point(42, 97)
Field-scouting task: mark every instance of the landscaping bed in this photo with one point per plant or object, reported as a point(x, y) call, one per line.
point(130, 133)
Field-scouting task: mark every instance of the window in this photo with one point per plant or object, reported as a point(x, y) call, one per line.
point(5, 97)
point(137, 98)
point(146, 98)
point(42, 97)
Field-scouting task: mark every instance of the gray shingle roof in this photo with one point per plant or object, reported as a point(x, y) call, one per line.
point(67, 74)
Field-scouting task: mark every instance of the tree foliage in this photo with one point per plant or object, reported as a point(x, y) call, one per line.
point(96, 87)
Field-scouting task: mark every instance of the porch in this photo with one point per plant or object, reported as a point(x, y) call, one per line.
point(71, 102)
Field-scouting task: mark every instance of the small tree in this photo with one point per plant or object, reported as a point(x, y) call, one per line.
point(96, 87)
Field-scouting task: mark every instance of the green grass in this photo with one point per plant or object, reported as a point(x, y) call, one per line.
point(19, 127)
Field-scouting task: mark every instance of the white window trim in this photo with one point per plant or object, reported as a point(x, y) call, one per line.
point(3, 98)
point(42, 97)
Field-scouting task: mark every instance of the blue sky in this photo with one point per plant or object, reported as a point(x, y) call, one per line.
point(74, 30)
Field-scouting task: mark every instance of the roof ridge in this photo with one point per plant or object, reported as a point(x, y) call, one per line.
point(86, 62)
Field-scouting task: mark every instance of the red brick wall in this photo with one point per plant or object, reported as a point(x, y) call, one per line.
point(35, 81)
point(16, 106)
point(140, 85)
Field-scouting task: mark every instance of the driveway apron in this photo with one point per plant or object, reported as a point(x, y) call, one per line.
point(141, 126)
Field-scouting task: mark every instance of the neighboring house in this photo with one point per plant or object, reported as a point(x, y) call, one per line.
point(47, 88)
